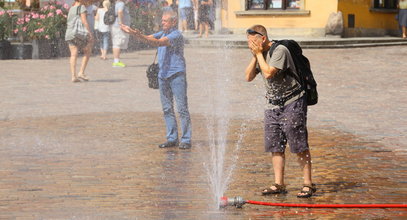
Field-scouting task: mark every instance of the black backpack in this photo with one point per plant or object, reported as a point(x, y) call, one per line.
point(110, 15)
point(304, 74)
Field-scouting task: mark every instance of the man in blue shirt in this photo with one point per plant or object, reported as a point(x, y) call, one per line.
point(171, 77)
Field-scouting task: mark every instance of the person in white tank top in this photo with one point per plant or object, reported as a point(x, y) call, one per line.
point(103, 29)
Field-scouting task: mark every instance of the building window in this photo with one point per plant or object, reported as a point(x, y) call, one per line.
point(272, 4)
point(385, 4)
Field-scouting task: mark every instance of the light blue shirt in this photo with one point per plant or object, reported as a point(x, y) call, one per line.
point(90, 16)
point(184, 4)
point(171, 58)
point(121, 6)
point(102, 27)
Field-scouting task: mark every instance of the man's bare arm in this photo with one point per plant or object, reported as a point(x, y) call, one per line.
point(148, 39)
point(250, 71)
point(154, 42)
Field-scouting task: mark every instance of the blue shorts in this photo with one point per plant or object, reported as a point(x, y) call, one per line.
point(185, 13)
point(286, 124)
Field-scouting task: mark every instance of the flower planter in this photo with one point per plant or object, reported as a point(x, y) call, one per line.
point(62, 49)
point(21, 51)
point(42, 49)
point(5, 49)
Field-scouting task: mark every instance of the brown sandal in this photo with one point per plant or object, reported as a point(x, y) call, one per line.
point(280, 189)
point(307, 193)
point(83, 77)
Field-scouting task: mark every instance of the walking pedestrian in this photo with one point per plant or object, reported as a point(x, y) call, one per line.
point(90, 15)
point(402, 17)
point(204, 8)
point(76, 44)
point(185, 13)
point(286, 109)
point(165, 7)
point(120, 39)
point(171, 77)
point(103, 29)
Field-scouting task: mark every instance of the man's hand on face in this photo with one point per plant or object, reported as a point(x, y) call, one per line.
point(256, 46)
point(249, 44)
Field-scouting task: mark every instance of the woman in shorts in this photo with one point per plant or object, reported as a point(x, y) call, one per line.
point(204, 7)
point(76, 44)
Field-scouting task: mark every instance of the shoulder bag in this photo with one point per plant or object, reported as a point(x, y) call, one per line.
point(152, 73)
point(79, 29)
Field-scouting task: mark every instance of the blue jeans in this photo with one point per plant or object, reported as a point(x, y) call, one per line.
point(172, 88)
point(104, 40)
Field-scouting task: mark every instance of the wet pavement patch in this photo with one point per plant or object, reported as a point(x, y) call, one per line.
point(109, 165)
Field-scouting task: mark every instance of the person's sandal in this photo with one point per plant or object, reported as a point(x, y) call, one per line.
point(307, 193)
point(83, 77)
point(279, 189)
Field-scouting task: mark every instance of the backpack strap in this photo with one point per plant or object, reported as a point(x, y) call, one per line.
point(156, 53)
point(288, 44)
point(273, 47)
point(78, 10)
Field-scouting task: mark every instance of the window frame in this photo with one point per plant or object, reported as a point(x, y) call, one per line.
point(375, 7)
point(267, 4)
point(387, 4)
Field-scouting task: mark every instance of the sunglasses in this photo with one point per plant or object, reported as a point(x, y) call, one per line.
point(252, 32)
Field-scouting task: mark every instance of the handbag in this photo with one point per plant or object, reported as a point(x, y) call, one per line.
point(79, 29)
point(152, 74)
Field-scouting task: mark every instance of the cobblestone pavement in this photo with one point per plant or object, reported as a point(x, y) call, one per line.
point(88, 150)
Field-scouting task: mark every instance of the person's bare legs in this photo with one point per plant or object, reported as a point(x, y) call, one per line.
point(116, 53)
point(72, 61)
point(103, 54)
point(206, 29)
point(87, 51)
point(196, 21)
point(278, 160)
point(184, 26)
point(200, 29)
point(304, 159)
point(404, 29)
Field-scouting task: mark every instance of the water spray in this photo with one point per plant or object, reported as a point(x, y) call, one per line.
point(238, 202)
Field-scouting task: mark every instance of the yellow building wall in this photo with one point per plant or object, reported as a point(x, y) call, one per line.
point(367, 22)
point(318, 17)
point(364, 17)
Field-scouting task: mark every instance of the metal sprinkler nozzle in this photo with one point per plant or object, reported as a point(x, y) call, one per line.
point(236, 201)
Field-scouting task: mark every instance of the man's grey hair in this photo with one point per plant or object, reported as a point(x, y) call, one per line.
point(173, 15)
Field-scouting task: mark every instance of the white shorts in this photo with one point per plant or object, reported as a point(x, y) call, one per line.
point(120, 39)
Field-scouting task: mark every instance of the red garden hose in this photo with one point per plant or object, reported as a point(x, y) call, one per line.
point(239, 202)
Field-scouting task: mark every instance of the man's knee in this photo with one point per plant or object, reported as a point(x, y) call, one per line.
point(278, 154)
point(168, 110)
point(304, 154)
point(183, 112)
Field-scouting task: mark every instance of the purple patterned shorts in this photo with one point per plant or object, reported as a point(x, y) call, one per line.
point(286, 124)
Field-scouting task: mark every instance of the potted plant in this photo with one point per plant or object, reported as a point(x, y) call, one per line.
point(45, 28)
point(6, 20)
point(145, 17)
